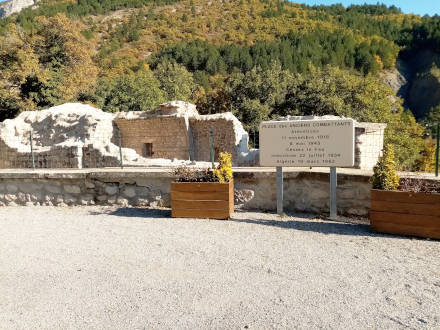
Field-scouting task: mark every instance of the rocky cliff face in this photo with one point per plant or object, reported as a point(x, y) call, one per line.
point(14, 6)
point(424, 91)
point(398, 78)
point(416, 79)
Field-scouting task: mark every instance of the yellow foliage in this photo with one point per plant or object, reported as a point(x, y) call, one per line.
point(78, 70)
point(223, 172)
point(378, 61)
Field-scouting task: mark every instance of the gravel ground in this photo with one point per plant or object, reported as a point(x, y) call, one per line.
point(94, 267)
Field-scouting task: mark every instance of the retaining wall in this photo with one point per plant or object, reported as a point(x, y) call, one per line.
point(304, 190)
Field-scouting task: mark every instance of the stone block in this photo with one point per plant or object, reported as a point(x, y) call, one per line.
point(54, 189)
point(12, 188)
point(123, 202)
point(86, 200)
point(70, 200)
point(37, 196)
point(141, 202)
point(10, 198)
point(29, 187)
point(89, 185)
point(111, 189)
point(72, 189)
point(358, 211)
point(129, 191)
point(243, 195)
point(102, 198)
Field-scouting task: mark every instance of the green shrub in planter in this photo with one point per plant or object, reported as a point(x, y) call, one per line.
point(385, 175)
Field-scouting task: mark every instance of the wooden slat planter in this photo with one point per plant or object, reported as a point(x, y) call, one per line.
point(202, 200)
point(403, 213)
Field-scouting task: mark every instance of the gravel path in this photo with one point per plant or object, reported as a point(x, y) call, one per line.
point(93, 267)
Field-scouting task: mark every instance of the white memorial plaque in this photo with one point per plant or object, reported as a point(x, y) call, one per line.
point(307, 143)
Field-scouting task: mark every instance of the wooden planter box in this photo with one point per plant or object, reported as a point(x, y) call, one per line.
point(202, 200)
point(403, 213)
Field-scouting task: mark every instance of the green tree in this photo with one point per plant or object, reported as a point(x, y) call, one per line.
point(135, 91)
point(332, 91)
point(255, 94)
point(175, 81)
point(18, 62)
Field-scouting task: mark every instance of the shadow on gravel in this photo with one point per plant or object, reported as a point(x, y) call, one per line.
point(323, 227)
point(132, 212)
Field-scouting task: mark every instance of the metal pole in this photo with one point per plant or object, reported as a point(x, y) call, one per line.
point(211, 146)
point(120, 147)
point(32, 151)
point(437, 150)
point(333, 185)
point(280, 197)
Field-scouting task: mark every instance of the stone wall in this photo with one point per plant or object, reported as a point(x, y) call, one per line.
point(57, 156)
point(224, 136)
point(305, 190)
point(76, 135)
point(168, 136)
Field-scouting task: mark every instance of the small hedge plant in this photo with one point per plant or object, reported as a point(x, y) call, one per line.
point(385, 174)
point(221, 173)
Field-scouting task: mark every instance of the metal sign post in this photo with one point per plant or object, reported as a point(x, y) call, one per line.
point(121, 161)
point(32, 150)
point(333, 199)
point(211, 146)
point(280, 192)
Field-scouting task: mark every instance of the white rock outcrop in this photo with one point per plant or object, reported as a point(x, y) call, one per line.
point(14, 6)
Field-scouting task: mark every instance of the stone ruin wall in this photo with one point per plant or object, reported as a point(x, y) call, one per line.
point(59, 157)
point(79, 136)
point(168, 136)
point(224, 137)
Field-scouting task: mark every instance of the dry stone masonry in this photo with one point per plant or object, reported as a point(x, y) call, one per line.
point(305, 190)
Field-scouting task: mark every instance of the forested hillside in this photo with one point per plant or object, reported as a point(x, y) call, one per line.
point(257, 58)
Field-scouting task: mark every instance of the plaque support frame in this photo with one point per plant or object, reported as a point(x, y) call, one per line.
point(280, 190)
point(333, 194)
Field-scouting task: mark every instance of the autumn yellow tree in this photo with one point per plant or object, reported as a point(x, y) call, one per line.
point(66, 53)
point(18, 62)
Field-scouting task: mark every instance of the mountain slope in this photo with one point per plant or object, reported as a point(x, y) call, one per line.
point(257, 58)
point(11, 7)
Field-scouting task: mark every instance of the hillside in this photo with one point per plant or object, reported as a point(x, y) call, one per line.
point(10, 7)
point(257, 58)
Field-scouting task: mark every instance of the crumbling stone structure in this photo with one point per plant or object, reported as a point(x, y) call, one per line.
point(161, 133)
point(176, 130)
point(76, 135)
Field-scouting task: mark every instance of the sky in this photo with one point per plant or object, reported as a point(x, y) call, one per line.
point(421, 7)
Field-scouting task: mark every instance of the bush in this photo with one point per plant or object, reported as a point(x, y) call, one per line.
point(186, 173)
point(385, 175)
point(223, 172)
